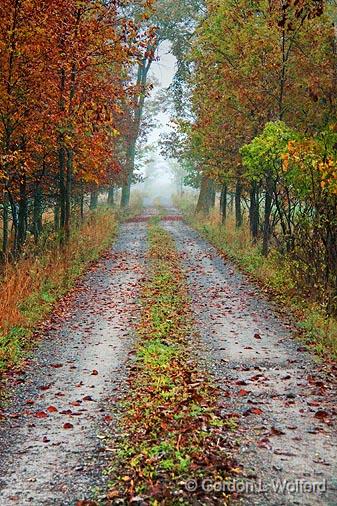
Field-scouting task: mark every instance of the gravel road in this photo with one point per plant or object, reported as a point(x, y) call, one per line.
point(282, 400)
point(51, 457)
point(284, 403)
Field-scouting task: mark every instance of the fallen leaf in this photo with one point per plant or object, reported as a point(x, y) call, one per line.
point(243, 392)
point(41, 414)
point(277, 432)
point(52, 409)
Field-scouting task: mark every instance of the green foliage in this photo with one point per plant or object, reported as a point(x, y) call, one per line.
point(264, 154)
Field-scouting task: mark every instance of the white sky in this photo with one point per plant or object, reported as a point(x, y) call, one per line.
point(163, 71)
point(160, 185)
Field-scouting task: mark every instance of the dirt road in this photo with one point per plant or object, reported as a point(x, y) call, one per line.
point(284, 405)
point(54, 457)
point(282, 402)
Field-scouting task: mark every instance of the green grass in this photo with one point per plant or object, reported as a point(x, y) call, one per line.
point(170, 415)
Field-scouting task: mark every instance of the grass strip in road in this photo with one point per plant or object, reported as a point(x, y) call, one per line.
point(171, 430)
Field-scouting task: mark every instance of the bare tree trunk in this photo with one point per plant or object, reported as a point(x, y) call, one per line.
point(37, 213)
point(111, 196)
point(267, 214)
point(238, 208)
point(204, 201)
point(67, 223)
point(93, 200)
point(254, 211)
point(22, 215)
point(5, 223)
point(223, 204)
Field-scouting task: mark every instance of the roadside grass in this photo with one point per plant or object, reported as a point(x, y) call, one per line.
point(171, 429)
point(274, 274)
point(30, 287)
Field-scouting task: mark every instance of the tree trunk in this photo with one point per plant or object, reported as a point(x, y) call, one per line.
point(126, 188)
point(57, 217)
point(111, 196)
point(204, 201)
point(22, 215)
point(93, 200)
point(69, 171)
point(254, 212)
point(238, 208)
point(267, 214)
point(37, 213)
point(126, 192)
point(212, 194)
point(223, 204)
point(82, 206)
point(62, 188)
point(5, 224)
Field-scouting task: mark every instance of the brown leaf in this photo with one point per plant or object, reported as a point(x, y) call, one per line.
point(52, 409)
point(277, 432)
point(68, 425)
point(41, 414)
point(45, 387)
point(321, 414)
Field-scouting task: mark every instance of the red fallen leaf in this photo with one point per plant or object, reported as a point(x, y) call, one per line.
point(52, 409)
point(256, 377)
point(75, 403)
point(45, 387)
point(277, 432)
point(56, 366)
point(257, 336)
point(14, 415)
point(321, 415)
point(66, 412)
point(30, 402)
point(68, 425)
point(243, 392)
point(45, 439)
point(94, 373)
point(88, 398)
point(59, 394)
point(108, 419)
point(254, 411)
point(241, 382)
point(264, 443)
point(313, 403)
point(41, 414)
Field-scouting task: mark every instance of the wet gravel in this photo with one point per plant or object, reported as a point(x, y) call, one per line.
point(51, 452)
point(284, 402)
point(52, 449)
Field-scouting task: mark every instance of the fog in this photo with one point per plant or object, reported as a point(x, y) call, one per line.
point(159, 184)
